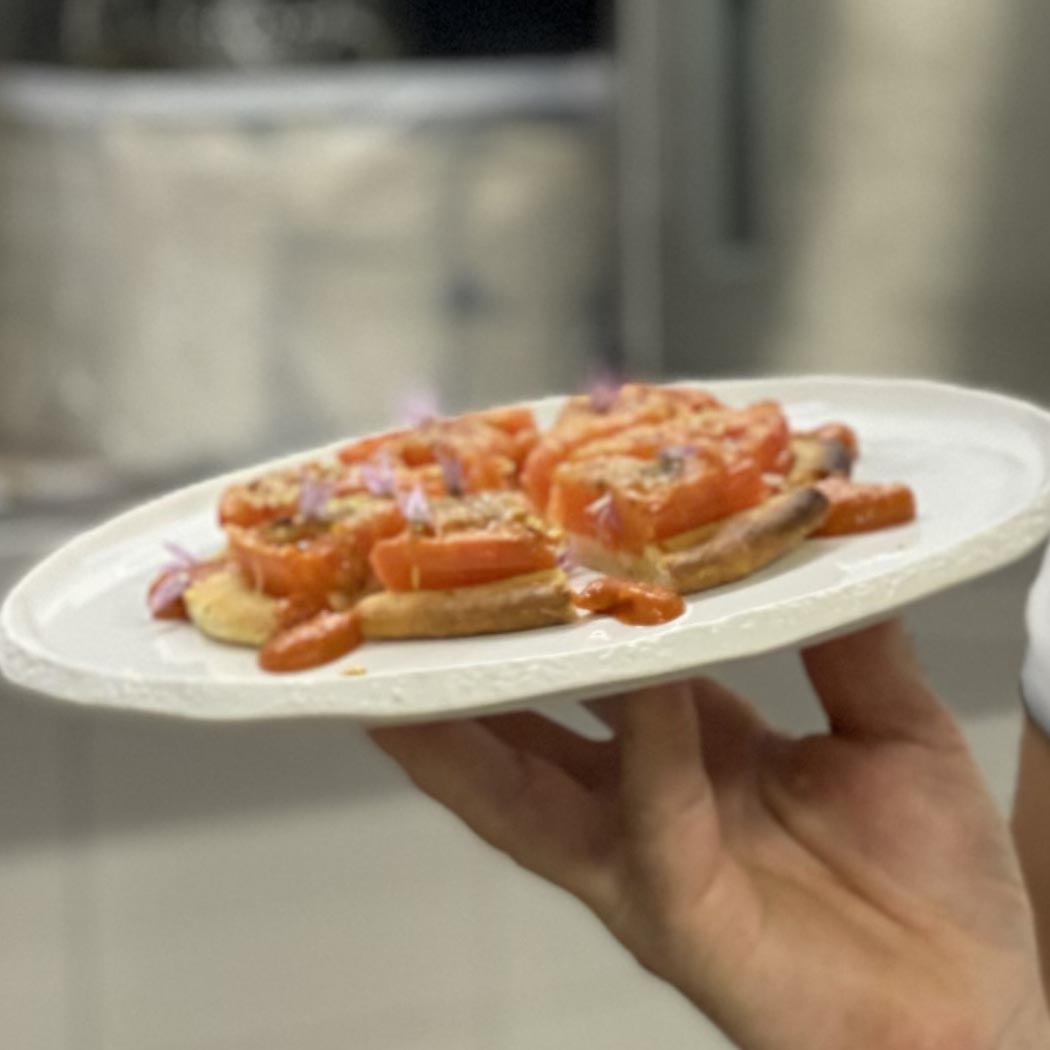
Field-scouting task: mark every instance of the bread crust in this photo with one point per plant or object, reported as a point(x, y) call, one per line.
point(748, 542)
point(538, 600)
point(719, 553)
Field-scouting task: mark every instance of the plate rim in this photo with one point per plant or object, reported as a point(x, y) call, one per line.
point(633, 662)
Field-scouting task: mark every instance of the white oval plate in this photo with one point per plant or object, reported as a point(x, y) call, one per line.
point(77, 628)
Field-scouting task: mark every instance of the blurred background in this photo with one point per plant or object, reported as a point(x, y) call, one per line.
point(234, 227)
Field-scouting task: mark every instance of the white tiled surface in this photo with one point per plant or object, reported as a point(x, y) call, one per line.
point(165, 886)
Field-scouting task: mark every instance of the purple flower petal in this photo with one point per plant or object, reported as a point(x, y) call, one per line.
point(379, 477)
point(420, 406)
point(415, 506)
point(180, 556)
point(170, 589)
point(679, 452)
point(314, 495)
point(606, 515)
point(451, 471)
point(603, 389)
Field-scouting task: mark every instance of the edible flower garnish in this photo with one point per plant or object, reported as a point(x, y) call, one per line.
point(169, 589)
point(416, 507)
point(181, 558)
point(677, 451)
point(379, 476)
point(314, 495)
point(451, 471)
point(420, 406)
point(567, 560)
point(175, 577)
point(603, 390)
point(605, 514)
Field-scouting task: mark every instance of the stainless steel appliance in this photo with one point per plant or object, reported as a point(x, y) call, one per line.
point(836, 186)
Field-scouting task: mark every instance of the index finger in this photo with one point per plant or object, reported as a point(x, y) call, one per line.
point(870, 684)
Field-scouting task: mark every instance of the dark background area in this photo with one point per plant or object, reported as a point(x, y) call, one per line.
point(32, 30)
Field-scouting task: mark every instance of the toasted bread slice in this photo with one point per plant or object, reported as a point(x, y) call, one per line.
point(719, 553)
point(226, 608)
point(517, 604)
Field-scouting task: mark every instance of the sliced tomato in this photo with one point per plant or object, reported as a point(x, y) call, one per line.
point(249, 504)
point(581, 424)
point(495, 511)
point(857, 507)
point(319, 640)
point(512, 419)
point(486, 473)
point(276, 495)
point(384, 479)
point(628, 503)
point(642, 400)
point(524, 442)
point(518, 422)
point(412, 562)
point(554, 448)
point(313, 557)
point(540, 464)
point(688, 399)
point(364, 449)
point(472, 454)
point(760, 431)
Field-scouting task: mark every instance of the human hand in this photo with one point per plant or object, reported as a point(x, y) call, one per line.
point(856, 889)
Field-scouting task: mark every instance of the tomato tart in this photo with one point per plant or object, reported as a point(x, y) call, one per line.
point(467, 525)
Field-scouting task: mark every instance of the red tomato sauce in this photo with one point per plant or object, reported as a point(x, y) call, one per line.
point(319, 640)
point(630, 602)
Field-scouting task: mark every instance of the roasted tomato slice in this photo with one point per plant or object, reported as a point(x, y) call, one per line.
point(473, 455)
point(857, 507)
point(638, 399)
point(512, 419)
point(517, 422)
point(582, 423)
point(628, 503)
point(300, 556)
point(760, 431)
point(365, 449)
point(276, 495)
point(412, 562)
point(462, 542)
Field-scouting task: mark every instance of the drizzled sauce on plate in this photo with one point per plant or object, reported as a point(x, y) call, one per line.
point(630, 602)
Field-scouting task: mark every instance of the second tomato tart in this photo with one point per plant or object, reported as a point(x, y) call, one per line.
point(481, 564)
point(688, 519)
point(276, 574)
